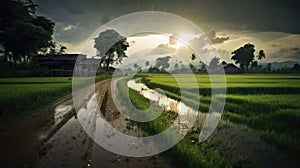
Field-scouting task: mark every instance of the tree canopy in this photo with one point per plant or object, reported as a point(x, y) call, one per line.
point(147, 63)
point(214, 64)
point(163, 63)
point(244, 55)
point(23, 33)
point(111, 47)
point(193, 57)
point(261, 55)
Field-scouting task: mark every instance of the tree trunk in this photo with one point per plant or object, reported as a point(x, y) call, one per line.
point(15, 65)
point(242, 67)
point(6, 55)
point(107, 62)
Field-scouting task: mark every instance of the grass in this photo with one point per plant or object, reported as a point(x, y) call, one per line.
point(266, 103)
point(18, 95)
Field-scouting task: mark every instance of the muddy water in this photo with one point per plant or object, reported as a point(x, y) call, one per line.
point(60, 112)
point(101, 157)
point(67, 143)
point(72, 145)
point(169, 104)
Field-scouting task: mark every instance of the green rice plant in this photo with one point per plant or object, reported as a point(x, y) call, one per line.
point(18, 95)
point(266, 103)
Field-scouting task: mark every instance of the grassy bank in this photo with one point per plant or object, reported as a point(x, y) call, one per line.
point(18, 95)
point(266, 103)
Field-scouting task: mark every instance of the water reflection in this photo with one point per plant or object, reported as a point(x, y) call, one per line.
point(61, 111)
point(186, 114)
point(208, 121)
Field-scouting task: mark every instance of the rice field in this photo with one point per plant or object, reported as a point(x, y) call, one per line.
point(268, 104)
point(18, 95)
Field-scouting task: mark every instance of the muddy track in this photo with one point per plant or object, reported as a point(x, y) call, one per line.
point(100, 157)
point(23, 137)
point(70, 146)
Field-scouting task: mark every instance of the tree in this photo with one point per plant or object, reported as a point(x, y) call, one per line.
point(296, 67)
point(261, 55)
point(269, 67)
point(111, 47)
point(193, 57)
point(244, 55)
point(201, 64)
point(223, 63)
point(147, 63)
point(62, 49)
point(214, 64)
point(136, 66)
point(254, 65)
point(23, 33)
point(54, 49)
point(163, 63)
point(176, 66)
point(193, 68)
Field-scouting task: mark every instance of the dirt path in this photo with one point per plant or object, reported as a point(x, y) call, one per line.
point(100, 157)
point(22, 137)
point(70, 146)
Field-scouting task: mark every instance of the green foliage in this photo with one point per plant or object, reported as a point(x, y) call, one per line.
point(23, 33)
point(162, 63)
point(261, 55)
point(214, 64)
point(244, 55)
point(111, 47)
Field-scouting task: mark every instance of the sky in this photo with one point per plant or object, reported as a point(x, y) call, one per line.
point(271, 25)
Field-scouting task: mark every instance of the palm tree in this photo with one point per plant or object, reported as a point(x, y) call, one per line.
point(261, 55)
point(147, 63)
point(193, 57)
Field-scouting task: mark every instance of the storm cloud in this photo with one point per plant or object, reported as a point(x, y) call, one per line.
point(259, 15)
point(267, 21)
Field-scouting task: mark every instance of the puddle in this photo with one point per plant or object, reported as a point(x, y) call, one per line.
point(169, 104)
point(185, 119)
point(60, 111)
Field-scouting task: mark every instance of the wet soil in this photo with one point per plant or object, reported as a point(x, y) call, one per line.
point(70, 146)
point(23, 136)
point(100, 157)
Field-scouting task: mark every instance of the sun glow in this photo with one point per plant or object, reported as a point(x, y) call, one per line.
point(183, 39)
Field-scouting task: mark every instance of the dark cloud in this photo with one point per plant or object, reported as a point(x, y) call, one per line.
point(287, 53)
point(294, 56)
point(258, 15)
point(166, 47)
point(105, 19)
point(216, 40)
point(295, 49)
point(274, 45)
point(199, 42)
point(162, 49)
point(144, 34)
